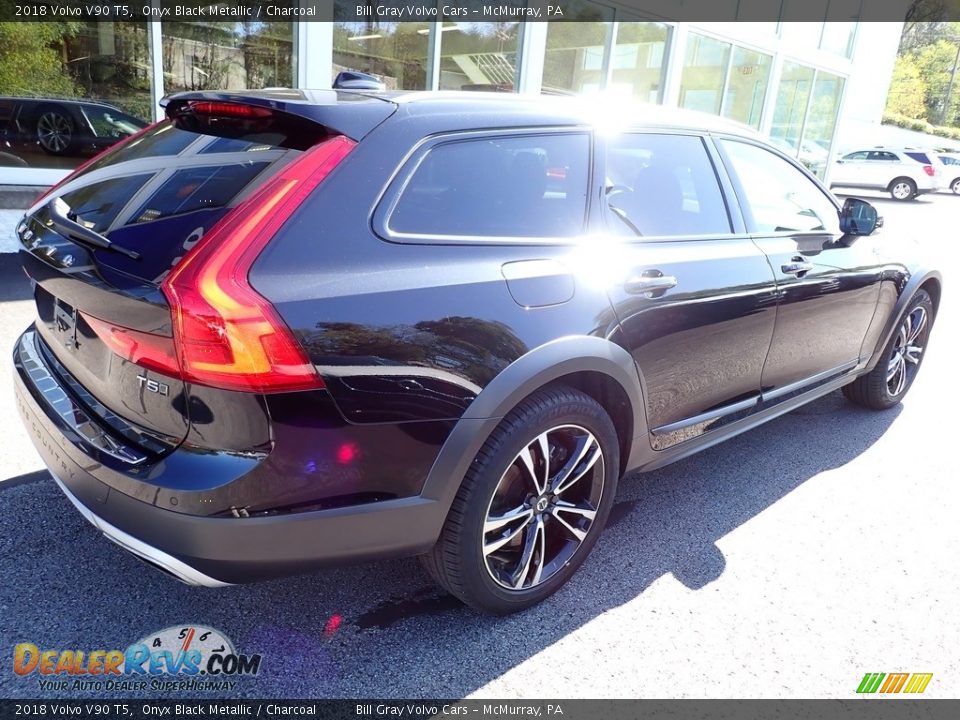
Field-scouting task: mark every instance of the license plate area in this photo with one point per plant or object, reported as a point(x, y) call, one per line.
point(65, 324)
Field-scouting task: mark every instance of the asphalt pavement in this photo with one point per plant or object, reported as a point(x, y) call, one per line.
point(786, 562)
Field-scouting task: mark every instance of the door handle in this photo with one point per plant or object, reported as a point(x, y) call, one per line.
point(649, 282)
point(796, 268)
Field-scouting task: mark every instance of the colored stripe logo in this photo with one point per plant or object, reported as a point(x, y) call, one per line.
point(894, 683)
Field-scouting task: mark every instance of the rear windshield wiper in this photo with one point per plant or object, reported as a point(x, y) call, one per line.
point(66, 223)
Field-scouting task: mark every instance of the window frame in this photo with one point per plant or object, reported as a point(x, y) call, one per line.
point(738, 227)
point(402, 175)
point(742, 196)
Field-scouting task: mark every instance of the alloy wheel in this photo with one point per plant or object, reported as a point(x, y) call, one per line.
point(54, 132)
point(902, 191)
point(543, 507)
point(907, 349)
point(956, 186)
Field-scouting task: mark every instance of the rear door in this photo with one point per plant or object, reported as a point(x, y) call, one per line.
point(827, 283)
point(880, 168)
point(695, 296)
point(104, 322)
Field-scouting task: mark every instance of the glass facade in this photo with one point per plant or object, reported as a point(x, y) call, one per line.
point(395, 52)
point(796, 82)
point(67, 91)
point(574, 58)
point(227, 55)
point(805, 117)
point(478, 56)
point(821, 121)
point(724, 79)
point(746, 86)
point(704, 73)
point(639, 60)
point(91, 84)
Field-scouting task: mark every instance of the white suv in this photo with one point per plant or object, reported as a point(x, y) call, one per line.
point(904, 173)
point(951, 169)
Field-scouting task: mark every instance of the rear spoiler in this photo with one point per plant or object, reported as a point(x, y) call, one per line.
point(351, 114)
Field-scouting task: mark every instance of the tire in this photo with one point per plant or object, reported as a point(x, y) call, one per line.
point(540, 548)
point(888, 383)
point(55, 130)
point(955, 186)
point(902, 188)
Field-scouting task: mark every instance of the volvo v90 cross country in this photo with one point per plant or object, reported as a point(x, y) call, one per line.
point(282, 329)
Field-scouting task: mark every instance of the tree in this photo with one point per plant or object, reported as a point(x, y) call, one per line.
point(935, 63)
point(908, 89)
point(31, 58)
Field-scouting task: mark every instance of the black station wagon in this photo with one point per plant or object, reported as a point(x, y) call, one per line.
point(282, 329)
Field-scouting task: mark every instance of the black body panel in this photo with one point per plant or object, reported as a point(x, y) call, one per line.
point(425, 343)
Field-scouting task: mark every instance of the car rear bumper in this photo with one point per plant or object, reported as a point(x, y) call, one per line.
point(214, 551)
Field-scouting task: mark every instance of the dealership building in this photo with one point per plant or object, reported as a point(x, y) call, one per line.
point(812, 87)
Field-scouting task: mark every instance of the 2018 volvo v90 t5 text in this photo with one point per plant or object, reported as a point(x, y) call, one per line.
point(287, 328)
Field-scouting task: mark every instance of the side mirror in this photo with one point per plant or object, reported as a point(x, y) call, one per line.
point(858, 217)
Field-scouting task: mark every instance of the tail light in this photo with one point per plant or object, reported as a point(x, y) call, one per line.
point(928, 169)
point(96, 158)
point(227, 335)
point(154, 352)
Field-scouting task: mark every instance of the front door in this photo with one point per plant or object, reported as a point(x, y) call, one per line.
point(827, 283)
point(695, 297)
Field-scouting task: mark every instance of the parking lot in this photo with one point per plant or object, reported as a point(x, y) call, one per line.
point(786, 562)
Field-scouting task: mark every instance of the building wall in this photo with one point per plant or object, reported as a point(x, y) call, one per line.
point(812, 87)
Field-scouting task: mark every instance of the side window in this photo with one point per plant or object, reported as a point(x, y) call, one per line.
point(919, 157)
point(881, 156)
point(779, 197)
point(514, 186)
point(861, 155)
point(662, 185)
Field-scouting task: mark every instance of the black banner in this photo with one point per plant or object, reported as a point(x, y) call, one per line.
point(494, 709)
point(390, 11)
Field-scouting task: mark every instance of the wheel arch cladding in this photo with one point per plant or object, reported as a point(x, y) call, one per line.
point(932, 283)
point(597, 366)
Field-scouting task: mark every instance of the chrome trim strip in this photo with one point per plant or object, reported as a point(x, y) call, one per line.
point(414, 371)
point(810, 380)
point(707, 416)
point(59, 404)
point(177, 568)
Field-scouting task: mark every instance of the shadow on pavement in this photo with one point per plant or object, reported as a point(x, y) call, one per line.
point(14, 284)
point(382, 629)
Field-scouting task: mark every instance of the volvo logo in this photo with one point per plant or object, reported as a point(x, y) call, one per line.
point(542, 504)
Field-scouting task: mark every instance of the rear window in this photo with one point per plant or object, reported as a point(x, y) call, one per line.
point(499, 187)
point(165, 189)
point(919, 157)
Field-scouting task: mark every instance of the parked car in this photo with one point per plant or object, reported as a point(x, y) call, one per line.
point(951, 170)
point(812, 154)
point(63, 126)
point(284, 329)
point(904, 173)
point(354, 80)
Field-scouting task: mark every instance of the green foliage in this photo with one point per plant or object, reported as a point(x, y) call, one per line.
point(31, 58)
point(923, 126)
point(929, 54)
point(935, 63)
point(908, 89)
